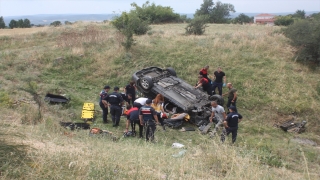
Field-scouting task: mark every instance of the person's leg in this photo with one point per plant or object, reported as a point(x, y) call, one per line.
point(234, 104)
point(140, 130)
point(214, 86)
point(104, 113)
point(216, 128)
point(219, 85)
point(113, 113)
point(229, 104)
point(153, 129)
point(118, 115)
point(161, 121)
point(225, 132)
point(234, 134)
point(147, 129)
point(133, 98)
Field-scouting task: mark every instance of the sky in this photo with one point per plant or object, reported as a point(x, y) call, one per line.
point(33, 7)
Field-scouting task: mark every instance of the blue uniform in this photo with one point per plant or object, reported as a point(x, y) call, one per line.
point(115, 99)
point(232, 121)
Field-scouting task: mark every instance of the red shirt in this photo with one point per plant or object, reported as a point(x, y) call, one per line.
point(130, 110)
point(204, 81)
point(203, 71)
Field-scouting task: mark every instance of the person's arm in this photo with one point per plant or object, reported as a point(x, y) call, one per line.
point(224, 116)
point(105, 103)
point(199, 84)
point(224, 79)
point(162, 110)
point(240, 118)
point(156, 118)
point(212, 115)
point(141, 120)
point(225, 123)
point(234, 96)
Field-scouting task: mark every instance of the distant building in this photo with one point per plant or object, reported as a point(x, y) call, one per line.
point(264, 19)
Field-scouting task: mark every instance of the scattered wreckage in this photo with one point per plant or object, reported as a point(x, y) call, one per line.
point(180, 96)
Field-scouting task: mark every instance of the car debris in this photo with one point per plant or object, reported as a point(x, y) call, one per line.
point(73, 126)
point(291, 126)
point(56, 99)
point(180, 97)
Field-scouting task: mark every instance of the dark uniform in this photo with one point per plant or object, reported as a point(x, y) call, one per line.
point(115, 101)
point(130, 89)
point(206, 85)
point(133, 116)
point(232, 121)
point(148, 113)
point(125, 98)
point(218, 82)
point(104, 94)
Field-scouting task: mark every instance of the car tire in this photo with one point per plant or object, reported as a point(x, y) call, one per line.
point(146, 83)
point(172, 71)
point(217, 98)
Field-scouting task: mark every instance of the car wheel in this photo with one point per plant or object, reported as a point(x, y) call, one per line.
point(217, 98)
point(146, 83)
point(171, 71)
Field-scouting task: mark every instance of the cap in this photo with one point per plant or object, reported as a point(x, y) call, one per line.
point(149, 101)
point(106, 87)
point(116, 88)
point(233, 108)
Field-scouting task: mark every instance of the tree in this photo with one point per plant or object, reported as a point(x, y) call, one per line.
point(13, 24)
point(242, 18)
point(129, 24)
point(26, 23)
point(197, 25)
point(155, 14)
point(56, 23)
point(283, 20)
point(218, 12)
point(305, 36)
point(68, 23)
point(2, 23)
point(20, 23)
point(300, 14)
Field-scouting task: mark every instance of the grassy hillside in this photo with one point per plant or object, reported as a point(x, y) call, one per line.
point(79, 60)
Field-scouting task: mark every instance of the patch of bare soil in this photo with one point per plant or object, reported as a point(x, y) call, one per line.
point(304, 141)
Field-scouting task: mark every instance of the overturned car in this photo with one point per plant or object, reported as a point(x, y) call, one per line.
point(180, 97)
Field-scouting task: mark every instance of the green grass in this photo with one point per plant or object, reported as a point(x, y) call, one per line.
point(79, 60)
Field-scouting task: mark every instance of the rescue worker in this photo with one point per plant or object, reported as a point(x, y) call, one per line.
point(157, 106)
point(131, 89)
point(148, 118)
point(204, 73)
point(231, 124)
point(115, 100)
point(140, 102)
point(133, 119)
point(232, 97)
point(205, 84)
point(103, 104)
point(126, 98)
point(219, 80)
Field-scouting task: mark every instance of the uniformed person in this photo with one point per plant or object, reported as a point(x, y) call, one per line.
point(104, 104)
point(148, 118)
point(115, 100)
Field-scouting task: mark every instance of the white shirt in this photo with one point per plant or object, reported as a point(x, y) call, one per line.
point(141, 101)
point(218, 112)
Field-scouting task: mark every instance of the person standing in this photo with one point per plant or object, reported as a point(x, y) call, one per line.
point(115, 100)
point(205, 84)
point(204, 73)
point(104, 105)
point(133, 119)
point(218, 113)
point(219, 80)
point(232, 96)
point(157, 106)
point(231, 124)
point(131, 89)
point(148, 118)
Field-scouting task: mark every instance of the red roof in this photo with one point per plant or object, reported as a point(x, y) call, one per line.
point(264, 15)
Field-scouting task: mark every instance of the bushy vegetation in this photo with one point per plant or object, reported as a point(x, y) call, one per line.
point(79, 60)
point(56, 23)
point(217, 12)
point(197, 25)
point(305, 36)
point(155, 14)
point(242, 18)
point(2, 23)
point(20, 23)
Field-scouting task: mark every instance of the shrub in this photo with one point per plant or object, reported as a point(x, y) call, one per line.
point(197, 25)
point(305, 35)
point(283, 21)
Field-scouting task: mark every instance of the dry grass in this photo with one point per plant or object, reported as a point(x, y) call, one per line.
point(78, 60)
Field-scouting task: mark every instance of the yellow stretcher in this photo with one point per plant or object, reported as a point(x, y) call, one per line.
point(88, 112)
